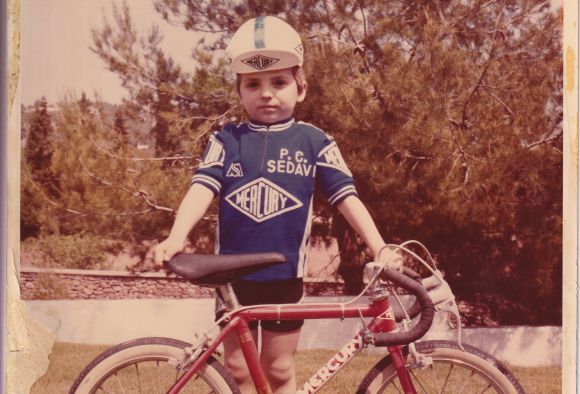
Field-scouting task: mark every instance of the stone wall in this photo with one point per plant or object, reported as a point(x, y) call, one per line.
point(53, 284)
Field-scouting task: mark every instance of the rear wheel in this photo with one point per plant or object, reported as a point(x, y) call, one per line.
point(146, 365)
point(453, 371)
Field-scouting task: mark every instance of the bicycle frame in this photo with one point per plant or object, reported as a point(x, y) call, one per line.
point(383, 321)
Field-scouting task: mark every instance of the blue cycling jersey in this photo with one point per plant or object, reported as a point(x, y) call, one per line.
point(265, 177)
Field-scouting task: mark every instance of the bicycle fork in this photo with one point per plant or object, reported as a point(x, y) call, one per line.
point(402, 372)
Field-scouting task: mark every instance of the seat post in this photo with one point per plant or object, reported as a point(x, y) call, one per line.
point(229, 297)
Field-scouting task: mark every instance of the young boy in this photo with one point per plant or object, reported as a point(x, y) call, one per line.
point(264, 172)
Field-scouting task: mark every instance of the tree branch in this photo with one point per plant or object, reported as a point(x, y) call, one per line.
point(44, 196)
point(327, 266)
point(501, 102)
point(545, 140)
point(486, 67)
point(354, 109)
point(92, 175)
point(137, 159)
point(85, 212)
point(156, 88)
point(362, 11)
point(461, 155)
point(138, 193)
point(146, 197)
point(211, 121)
point(315, 34)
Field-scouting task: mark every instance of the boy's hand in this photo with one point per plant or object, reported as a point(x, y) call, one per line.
point(391, 257)
point(166, 250)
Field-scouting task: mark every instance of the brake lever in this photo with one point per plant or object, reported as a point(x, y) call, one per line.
point(453, 311)
point(444, 300)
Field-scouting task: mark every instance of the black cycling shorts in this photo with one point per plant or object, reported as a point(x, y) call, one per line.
point(272, 292)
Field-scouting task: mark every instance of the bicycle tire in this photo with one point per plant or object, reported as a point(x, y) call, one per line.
point(453, 370)
point(142, 366)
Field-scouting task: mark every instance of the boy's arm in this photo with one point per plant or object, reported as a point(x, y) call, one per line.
point(359, 218)
point(191, 210)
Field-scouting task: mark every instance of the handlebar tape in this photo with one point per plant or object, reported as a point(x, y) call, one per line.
point(427, 311)
point(414, 310)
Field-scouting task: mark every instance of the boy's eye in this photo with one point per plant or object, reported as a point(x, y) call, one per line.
point(251, 84)
point(280, 82)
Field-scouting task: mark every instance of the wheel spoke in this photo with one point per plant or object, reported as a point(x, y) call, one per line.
point(119, 382)
point(418, 381)
point(389, 384)
point(465, 381)
point(434, 378)
point(157, 375)
point(138, 377)
point(396, 387)
point(447, 377)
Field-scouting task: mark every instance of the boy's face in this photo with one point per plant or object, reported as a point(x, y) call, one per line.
point(270, 96)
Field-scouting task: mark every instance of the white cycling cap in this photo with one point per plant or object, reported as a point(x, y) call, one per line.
point(264, 43)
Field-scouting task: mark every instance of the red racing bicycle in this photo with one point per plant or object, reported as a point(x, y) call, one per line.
point(163, 365)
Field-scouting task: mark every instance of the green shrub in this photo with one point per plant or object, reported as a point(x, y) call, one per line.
point(74, 251)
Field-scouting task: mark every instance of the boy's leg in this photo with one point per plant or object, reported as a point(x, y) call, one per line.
point(278, 353)
point(279, 341)
point(236, 363)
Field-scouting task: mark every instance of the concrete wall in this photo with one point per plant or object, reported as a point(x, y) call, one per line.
point(114, 321)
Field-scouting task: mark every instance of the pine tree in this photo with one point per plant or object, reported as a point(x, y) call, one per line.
point(38, 179)
point(119, 124)
point(38, 147)
point(85, 104)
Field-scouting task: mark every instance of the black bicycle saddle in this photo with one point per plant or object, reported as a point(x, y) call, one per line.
point(212, 270)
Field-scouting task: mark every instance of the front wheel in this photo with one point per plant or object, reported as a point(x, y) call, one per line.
point(453, 371)
point(146, 365)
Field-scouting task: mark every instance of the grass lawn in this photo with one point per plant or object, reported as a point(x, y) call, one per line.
point(67, 360)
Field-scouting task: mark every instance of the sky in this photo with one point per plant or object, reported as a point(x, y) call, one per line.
point(55, 55)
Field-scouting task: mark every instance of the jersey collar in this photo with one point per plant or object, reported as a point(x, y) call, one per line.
point(278, 126)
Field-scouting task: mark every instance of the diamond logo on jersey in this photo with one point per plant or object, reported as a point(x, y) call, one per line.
point(331, 157)
point(262, 200)
point(235, 171)
point(260, 62)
